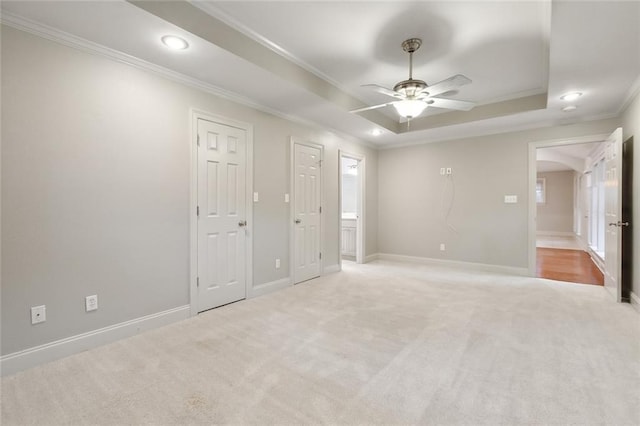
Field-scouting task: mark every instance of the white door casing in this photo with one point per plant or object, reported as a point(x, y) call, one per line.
point(613, 214)
point(222, 208)
point(532, 205)
point(306, 205)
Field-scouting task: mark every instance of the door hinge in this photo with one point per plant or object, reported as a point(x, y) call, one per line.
point(320, 255)
point(197, 281)
point(198, 139)
point(320, 209)
point(198, 211)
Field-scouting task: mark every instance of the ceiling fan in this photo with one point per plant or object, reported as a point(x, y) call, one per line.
point(413, 96)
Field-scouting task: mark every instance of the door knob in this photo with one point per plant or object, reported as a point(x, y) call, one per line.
point(622, 224)
point(298, 221)
point(613, 224)
point(242, 223)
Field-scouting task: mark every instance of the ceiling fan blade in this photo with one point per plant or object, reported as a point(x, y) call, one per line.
point(450, 104)
point(371, 107)
point(384, 91)
point(447, 85)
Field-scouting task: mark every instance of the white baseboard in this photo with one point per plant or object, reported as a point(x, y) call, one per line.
point(555, 233)
point(455, 263)
point(371, 258)
point(331, 269)
point(28, 358)
point(635, 301)
point(270, 287)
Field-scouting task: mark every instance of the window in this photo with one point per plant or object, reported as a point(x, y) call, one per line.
point(541, 191)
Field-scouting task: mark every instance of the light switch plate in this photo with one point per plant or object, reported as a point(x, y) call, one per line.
point(255, 197)
point(510, 199)
point(91, 303)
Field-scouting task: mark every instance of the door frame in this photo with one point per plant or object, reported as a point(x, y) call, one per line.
point(194, 116)
point(292, 204)
point(360, 222)
point(532, 205)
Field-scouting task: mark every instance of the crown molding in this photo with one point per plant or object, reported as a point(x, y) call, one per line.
point(634, 91)
point(219, 14)
point(87, 46)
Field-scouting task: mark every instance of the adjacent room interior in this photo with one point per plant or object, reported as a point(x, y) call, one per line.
point(320, 212)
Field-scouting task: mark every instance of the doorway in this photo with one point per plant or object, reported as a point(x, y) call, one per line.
point(351, 189)
point(564, 250)
point(611, 203)
point(627, 217)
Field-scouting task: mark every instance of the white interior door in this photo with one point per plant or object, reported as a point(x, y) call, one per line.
point(307, 209)
point(222, 151)
point(613, 214)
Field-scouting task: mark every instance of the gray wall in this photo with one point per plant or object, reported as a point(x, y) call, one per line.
point(631, 127)
point(485, 169)
point(95, 189)
point(556, 214)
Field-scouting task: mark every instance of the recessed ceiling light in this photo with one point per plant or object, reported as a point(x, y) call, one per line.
point(569, 108)
point(174, 42)
point(572, 96)
point(376, 132)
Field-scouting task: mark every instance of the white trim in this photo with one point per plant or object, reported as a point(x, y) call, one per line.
point(511, 270)
point(635, 302)
point(270, 287)
point(193, 201)
point(87, 46)
point(633, 91)
point(292, 205)
point(331, 269)
point(219, 14)
point(371, 258)
point(28, 358)
point(556, 234)
point(533, 146)
point(361, 220)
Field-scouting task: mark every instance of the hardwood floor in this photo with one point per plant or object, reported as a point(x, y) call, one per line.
point(573, 266)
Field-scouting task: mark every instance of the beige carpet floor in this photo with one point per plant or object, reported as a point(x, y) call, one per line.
point(381, 343)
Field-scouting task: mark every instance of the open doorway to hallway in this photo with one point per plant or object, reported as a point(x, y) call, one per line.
point(351, 207)
point(570, 214)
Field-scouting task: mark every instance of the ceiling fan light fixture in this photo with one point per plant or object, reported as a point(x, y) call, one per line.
point(410, 108)
point(571, 96)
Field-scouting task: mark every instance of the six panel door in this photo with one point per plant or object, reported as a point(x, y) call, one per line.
point(222, 214)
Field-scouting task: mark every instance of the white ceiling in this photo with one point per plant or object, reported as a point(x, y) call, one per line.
point(320, 53)
point(565, 157)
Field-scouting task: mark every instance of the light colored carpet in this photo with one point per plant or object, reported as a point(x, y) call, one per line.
point(382, 343)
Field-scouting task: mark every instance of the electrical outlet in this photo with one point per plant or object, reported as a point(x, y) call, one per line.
point(442, 171)
point(38, 314)
point(442, 247)
point(277, 263)
point(91, 303)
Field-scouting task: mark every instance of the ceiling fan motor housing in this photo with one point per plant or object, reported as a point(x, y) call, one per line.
point(410, 88)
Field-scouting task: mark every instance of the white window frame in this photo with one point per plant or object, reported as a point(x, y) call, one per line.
point(541, 183)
